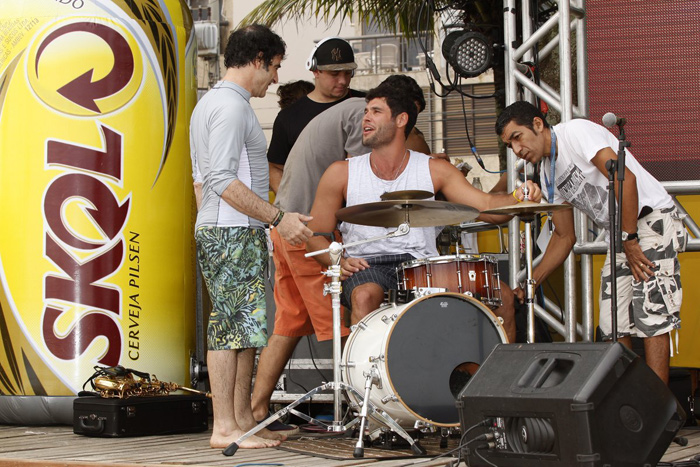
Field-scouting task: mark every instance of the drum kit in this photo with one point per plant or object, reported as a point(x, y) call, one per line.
point(401, 361)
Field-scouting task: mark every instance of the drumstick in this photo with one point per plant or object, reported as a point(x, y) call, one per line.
point(526, 192)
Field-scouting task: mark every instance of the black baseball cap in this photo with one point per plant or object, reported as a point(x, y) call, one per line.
point(334, 55)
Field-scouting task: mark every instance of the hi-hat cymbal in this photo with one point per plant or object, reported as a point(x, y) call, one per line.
point(417, 213)
point(406, 194)
point(527, 208)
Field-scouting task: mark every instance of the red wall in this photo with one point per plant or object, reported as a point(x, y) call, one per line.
point(644, 65)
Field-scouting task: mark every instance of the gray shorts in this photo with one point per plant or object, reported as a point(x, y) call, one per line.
point(233, 260)
point(382, 271)
point(647, 308)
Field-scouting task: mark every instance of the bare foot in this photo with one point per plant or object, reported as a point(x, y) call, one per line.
point(253, 442)
point(267, 434)
point(264, 433)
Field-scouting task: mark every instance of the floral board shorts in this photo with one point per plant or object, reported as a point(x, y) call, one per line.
point(648, 308)
point(233, 260)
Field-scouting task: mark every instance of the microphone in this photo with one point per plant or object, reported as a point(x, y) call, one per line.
point(610, 120)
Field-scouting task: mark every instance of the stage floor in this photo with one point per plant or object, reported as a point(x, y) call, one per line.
point(58, 446)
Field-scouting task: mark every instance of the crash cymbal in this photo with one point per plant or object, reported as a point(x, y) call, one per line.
point(417, 213)
point(406, 194)
point(527, 208)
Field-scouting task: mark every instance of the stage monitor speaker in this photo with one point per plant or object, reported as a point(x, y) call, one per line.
point(581, 404)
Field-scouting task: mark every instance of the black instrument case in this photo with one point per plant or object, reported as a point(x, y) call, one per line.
point(140, 416)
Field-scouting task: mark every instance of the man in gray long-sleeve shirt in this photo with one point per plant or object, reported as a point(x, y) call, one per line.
point(228, 149)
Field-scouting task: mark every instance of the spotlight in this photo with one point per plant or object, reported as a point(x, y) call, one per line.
point(468, 52)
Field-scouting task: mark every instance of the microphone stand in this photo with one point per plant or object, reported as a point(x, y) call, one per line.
point(621, 173)
point(615, 214)
point(611, 167)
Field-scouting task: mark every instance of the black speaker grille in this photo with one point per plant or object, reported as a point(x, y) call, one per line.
point(530, 435)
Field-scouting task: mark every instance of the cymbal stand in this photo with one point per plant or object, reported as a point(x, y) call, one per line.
point(530, 282)
point(334, 288)
point(372, 378)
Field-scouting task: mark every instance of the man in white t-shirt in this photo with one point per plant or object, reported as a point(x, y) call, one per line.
point(573, 158)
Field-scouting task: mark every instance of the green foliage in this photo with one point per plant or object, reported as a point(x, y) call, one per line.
point(395, 16)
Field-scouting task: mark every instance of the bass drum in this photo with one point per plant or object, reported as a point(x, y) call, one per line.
point(424, 352)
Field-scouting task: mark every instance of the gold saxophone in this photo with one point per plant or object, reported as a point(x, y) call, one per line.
point(124, 386)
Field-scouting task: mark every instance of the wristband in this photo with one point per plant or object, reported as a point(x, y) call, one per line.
point(626, 237)
point(516, 198)
point(278, 218)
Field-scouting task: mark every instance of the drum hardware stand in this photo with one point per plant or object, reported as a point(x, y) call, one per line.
point(445, 433)
point(372, 378)
point(530, 282)
point(527, 213)
point(334, 288)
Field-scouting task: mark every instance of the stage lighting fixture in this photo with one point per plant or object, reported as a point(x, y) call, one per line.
point(468, 52)
point(567, 404)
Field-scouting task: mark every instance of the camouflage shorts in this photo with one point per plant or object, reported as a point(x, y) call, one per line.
point(647, 308)
point(233, 260)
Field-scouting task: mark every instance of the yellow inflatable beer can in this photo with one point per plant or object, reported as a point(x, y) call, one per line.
point(96, 247)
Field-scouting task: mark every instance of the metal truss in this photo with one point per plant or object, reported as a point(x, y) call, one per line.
point(564, 18)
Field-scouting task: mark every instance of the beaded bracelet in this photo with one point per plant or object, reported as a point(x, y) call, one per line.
point(278, 218)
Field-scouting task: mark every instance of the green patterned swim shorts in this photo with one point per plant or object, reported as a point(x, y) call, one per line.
point(233, 260)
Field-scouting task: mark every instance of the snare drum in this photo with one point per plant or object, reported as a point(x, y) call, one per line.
point(473, 275)
point(424, 351)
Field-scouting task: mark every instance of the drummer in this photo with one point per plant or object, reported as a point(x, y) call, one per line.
point(368, 270)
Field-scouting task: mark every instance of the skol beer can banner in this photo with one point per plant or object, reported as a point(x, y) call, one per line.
point(96, 249)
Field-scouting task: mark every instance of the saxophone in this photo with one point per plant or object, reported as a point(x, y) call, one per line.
point(123, 385)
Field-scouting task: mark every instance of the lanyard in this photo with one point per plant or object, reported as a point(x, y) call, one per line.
point(550, 188)
point(552, 163)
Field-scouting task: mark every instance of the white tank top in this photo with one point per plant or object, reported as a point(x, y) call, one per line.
point(365, 187)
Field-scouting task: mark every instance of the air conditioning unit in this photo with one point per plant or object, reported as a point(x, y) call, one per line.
point(207, 38)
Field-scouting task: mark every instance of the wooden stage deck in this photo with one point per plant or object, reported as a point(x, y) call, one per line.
point(58, 446)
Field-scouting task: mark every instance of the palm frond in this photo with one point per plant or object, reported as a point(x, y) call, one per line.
point(395, 16)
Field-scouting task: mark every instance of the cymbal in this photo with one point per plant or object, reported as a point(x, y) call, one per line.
point(406, 194)
point(527, 208)
point(417, 213)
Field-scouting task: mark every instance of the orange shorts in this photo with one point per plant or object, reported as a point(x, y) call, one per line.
point(301, 307)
